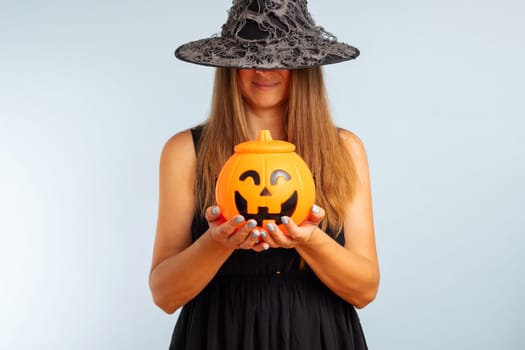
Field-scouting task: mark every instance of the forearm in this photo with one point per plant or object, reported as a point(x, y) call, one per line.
point(351, 276)
point(179, 278)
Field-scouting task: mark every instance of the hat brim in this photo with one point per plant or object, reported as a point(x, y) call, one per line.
point(285, 53)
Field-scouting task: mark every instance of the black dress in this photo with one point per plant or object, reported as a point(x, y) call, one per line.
point(262, 301)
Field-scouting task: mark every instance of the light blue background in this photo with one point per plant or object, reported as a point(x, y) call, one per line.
point(90, 91)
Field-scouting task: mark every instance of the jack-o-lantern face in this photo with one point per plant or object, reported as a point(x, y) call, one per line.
point(271, 202)
point(264, 180)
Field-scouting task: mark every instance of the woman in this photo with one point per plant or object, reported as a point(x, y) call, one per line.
point(249, 288)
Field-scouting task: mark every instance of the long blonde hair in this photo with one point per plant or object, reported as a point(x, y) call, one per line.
point(309, 126)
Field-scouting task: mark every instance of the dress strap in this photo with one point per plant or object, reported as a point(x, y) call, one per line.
point(199, 224)
point(196, 135)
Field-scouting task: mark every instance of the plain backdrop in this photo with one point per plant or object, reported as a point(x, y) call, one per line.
point(91, 91)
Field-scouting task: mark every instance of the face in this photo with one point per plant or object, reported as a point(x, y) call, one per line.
point(263, 89)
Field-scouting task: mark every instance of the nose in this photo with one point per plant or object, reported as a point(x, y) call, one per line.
point(263, 72)
point(265, 193)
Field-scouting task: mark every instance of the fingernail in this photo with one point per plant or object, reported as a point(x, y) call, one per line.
point(266, 246)
point(239, 219)
point(263, 234)
point(255, 234)
point(215, 210)
point(270, 227)
point(284, 220)
point(251, 224)
point(315, 209)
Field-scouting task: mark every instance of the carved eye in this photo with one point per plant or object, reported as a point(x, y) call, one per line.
point(251, 173)
point(276, 174)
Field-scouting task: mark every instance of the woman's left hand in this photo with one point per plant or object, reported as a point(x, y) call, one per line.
point(296, 235)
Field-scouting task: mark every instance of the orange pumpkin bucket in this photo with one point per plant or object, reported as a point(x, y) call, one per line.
point(264, 180)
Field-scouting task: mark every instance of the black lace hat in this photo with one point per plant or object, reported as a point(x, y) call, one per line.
point(268, 34)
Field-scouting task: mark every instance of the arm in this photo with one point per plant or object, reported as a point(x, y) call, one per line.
point(180, 269)
point(352, 271)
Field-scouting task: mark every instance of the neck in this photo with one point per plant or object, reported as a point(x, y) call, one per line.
point(271, 119)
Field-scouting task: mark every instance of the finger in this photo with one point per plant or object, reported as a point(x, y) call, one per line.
point(243, 237)
point(223, 231)
point(261, 247)
point(298, 234)
point(247, 237)
point(213, 213)
point(231, 225)
point(280, 238)
point(268, 239)
point(316, 214)
point(291, 228)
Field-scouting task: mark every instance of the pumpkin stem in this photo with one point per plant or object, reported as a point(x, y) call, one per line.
point(264, 135)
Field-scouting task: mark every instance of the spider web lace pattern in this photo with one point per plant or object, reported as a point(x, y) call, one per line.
point(268, 34)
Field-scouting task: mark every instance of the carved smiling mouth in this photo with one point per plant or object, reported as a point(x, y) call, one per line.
point(287, 209)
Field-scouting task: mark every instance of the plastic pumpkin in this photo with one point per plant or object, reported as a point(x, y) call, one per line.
point(264, 180)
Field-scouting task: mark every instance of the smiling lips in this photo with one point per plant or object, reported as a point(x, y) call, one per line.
point(265, 84)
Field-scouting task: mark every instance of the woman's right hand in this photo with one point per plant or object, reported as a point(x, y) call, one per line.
point(235, 233)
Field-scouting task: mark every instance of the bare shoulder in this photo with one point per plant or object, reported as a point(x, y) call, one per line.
point(353, 144)
point(178, 153)
point(178, 164)
point(179, 145)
